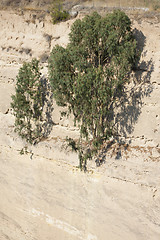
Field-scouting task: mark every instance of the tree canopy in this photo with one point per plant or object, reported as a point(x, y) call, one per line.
point(90, 73)
point(27, 102)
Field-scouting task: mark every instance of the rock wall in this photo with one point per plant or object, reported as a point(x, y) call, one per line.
point(43, 194)
point(139, 113)
point(25, 35)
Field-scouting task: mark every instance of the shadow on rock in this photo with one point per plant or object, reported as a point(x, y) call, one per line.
point(131, 99)
point(47, 108)
point(126, 111)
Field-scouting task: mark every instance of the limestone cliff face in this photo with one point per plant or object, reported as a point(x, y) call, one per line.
point(25, 35)
point(43, 195)
point(139, 113)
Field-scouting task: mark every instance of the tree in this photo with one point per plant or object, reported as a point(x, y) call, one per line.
point(27, 102)
point(89, 75)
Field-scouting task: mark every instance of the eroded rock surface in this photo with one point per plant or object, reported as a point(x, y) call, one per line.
point(43, 194)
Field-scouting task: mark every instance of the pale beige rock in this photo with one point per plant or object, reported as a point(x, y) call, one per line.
point(43, 194)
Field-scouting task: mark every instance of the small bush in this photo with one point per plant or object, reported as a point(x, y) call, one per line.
point(156, 7)
point(57, 13)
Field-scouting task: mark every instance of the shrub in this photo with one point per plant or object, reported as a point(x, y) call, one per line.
point(57, 13)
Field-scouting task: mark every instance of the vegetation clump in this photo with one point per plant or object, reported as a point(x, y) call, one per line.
point(27, 103)
point(89, 75)
point(58, 14)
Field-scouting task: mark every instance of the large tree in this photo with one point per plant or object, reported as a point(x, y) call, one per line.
point(89, 74)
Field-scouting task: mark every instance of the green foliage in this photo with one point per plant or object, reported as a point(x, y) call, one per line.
point(27, 102)
point(24, 151)
point(156, 6)
point(72, 144)
point(89, 75)
point(57, 13)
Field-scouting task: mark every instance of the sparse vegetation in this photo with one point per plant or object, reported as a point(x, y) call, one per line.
point(41, 5)
point(156, 6)
point(57, 12)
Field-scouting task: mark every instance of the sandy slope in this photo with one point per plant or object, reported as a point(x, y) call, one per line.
point(43, 194)
point(46, 197)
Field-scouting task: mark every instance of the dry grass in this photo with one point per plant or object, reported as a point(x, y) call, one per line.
point(151, 4)
point(44, 4)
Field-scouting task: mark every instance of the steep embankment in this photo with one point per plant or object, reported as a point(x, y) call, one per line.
point(43, 195)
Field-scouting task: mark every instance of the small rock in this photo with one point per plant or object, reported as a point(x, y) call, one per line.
point(73, 13)
point(155, 153)
point(77, 8)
